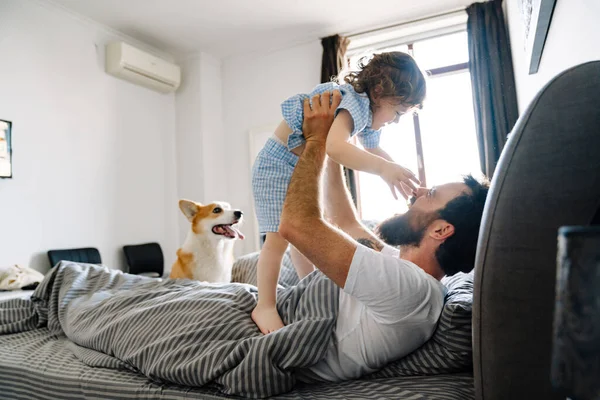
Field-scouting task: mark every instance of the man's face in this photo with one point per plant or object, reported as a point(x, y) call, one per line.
point(410, 228)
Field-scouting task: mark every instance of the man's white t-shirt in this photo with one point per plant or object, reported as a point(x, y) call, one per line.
point(388, 308)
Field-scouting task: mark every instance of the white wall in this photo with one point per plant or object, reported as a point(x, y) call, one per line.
point(215, 148)
point(94, 157)
point(190, 165)
point(202, 157)
point(253, 88)
point(573, 38)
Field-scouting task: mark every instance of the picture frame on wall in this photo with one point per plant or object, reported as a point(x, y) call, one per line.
point(536, 15)
point(5, 149)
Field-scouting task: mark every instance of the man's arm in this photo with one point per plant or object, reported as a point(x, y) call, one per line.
point(302, 222)
point(341, 209)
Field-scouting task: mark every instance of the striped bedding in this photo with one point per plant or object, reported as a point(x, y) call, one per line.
point(39, 364)
point(178, 331)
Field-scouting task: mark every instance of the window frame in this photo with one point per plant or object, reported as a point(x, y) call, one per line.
point(432, 73)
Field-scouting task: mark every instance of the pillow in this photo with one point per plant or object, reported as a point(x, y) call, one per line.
point(449, 350)
point(16, 277)
point(244, 270)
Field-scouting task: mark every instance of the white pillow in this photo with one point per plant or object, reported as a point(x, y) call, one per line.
point(15, 277)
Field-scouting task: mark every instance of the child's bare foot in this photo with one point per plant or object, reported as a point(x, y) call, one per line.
point(267, 318)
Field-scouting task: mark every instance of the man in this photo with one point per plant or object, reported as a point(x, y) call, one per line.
point(390, 300)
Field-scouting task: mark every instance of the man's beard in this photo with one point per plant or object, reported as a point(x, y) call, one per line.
point(406, 229)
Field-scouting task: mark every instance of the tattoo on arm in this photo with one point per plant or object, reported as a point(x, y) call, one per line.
point(370, 243)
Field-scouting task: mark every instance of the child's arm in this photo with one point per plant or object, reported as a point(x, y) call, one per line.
point(378, 151)
point(347, 154)
point(352, 157)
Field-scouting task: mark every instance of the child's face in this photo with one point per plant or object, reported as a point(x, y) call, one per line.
point(387, 111)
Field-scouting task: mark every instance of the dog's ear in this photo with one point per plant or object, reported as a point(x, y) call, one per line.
point(189, 209)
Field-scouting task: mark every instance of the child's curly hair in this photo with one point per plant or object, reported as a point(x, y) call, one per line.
point(392, 74)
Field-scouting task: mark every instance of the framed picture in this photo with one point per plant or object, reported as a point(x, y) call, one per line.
point(536, 15)
point(5, 149)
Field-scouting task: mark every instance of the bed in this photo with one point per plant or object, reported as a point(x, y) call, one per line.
point(15, 294)
point(40, 364)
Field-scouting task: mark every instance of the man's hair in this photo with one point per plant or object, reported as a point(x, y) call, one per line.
point(457, 253)
point(392, 74)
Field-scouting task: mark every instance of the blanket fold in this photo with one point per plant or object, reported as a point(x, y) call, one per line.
point(178, 331)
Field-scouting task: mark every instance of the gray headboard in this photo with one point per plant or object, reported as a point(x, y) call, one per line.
point(548, 176)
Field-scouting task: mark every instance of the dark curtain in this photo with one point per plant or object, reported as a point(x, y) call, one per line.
point(334, 51)
point(492, 79)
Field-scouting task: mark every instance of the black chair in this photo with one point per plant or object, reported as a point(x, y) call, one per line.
point(145, 259)
point(89, 255)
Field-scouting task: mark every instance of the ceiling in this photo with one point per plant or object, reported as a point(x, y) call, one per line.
point(227, 27)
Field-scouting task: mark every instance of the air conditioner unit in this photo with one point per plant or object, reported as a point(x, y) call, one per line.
point(127, 62)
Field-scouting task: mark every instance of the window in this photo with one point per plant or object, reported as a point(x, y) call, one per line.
point(438, 143)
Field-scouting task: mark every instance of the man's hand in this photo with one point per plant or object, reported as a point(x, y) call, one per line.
point(318, 119)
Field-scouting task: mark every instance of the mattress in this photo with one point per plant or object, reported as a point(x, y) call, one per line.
point(15, 294)
point(38, 365)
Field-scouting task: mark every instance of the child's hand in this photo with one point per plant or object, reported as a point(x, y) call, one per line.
point(399, 178)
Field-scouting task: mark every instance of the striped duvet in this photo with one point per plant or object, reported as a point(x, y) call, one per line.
point(180, 332)
point(37, 365)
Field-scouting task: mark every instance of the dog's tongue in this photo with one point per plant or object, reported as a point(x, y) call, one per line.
point(233, 231)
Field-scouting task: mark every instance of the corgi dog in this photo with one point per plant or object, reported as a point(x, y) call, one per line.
point(207, 253)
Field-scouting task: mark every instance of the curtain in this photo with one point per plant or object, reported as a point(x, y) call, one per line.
point(334, 57)
point(492, 80)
